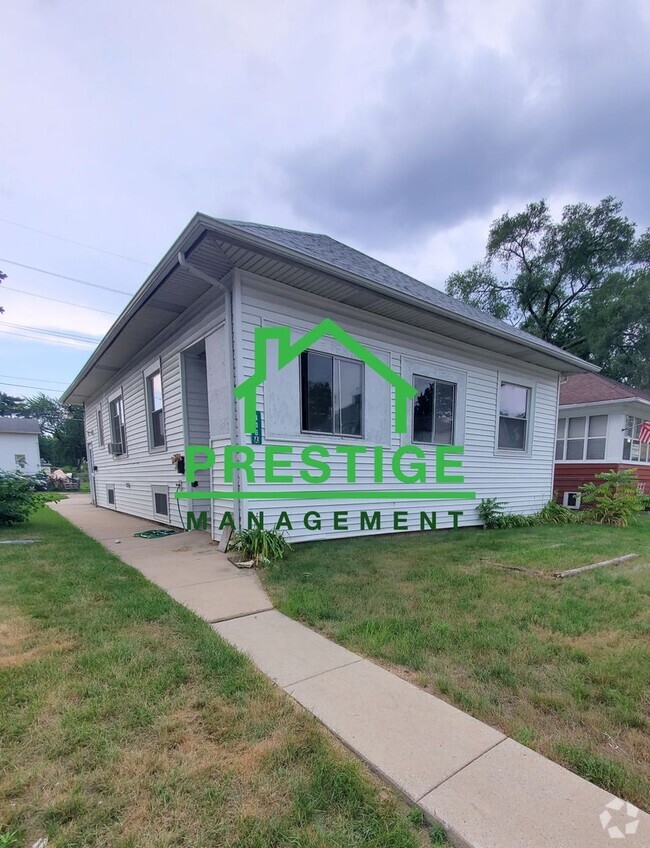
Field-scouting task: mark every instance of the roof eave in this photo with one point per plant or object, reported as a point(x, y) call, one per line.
point(295, 255)
point(161, 270)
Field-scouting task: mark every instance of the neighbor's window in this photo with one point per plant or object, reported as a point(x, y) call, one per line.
point(434, 411)
point(155, 410)
point(118, 432)
point(332, 394)
point(20, 460)
point(100, 428)
point(634, 450)
point(581, 437)
point(514, 409)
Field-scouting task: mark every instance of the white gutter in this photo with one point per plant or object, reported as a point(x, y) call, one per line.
point(248, 239)
point(230, 335)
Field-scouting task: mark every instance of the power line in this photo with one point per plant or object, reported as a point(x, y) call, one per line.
point(63, 277)
point(50, 340)
point(25, 386)
point(78, 243)
point(82, 337)
point(55, 300)
point(14, 377)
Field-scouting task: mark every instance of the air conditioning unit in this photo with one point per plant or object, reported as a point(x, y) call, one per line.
point(572, 500)
point(115, 448)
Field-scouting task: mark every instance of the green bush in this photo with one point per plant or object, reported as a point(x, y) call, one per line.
point(491, 512)
point(17, 498)
point(262, 546)
point(555, 513)
point(615, 499)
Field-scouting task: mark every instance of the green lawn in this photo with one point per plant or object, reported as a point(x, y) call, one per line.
point(560, 665)
point(126, 721)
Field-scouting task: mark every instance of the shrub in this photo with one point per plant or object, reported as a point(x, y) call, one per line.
point(17, 498)
point(262, 546)
point(490, 511)
point(615, 499)
point(555, 513)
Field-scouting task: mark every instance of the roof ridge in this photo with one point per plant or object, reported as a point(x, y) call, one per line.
point(236, 222)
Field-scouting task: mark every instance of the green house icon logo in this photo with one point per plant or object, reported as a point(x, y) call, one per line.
point(287, 352)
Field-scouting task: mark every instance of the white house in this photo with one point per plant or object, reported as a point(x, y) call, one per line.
point(165, 375)
point(19, 449)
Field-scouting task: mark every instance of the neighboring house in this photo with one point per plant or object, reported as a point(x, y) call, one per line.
point(19, 449)
point(599, 426)
point(165, 375)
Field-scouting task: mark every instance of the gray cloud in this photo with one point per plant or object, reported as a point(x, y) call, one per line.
point(562, 110)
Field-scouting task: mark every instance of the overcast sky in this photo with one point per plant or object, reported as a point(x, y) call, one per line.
point(400, 127)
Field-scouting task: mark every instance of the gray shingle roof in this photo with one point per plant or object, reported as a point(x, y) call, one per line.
point(326, 249)
point(19, 425)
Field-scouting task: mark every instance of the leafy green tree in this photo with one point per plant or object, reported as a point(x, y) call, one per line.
point(49, 411)
point(580, 282)
point(11, 406)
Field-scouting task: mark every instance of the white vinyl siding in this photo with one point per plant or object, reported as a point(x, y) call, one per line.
point(133, 474)
point(522, 479)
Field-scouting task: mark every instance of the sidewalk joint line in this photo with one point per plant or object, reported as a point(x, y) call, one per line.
point(231, 617)
point(462, 768)
point(321, 673)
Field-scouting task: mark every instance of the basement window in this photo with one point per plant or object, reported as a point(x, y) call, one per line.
point(110, 495)
point(160, 497)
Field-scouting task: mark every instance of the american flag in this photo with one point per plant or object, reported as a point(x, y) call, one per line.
point(644, 432)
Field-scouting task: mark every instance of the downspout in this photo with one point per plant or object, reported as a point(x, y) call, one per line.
point(230, 346)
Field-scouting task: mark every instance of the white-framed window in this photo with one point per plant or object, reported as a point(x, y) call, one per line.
point(100, 427)
point(155, 406)
point(581, 437)
point(332, 390)
point(434, 411)
point(160, 501)
point(110, 494)
point(117, 425)
point(514, 408)
point(21, 461)
point(633, 449)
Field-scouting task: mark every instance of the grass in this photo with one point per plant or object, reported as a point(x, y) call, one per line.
point(562, 666)
point(126, 721)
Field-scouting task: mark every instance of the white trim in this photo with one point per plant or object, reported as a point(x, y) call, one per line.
point(160, 490)
point(526, 383)
point(113, 396)
point(413, 365)
point(151, 369)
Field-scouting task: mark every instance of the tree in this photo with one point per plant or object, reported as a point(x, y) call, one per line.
point(11, 406)
point(47, 410)
point(580, 283)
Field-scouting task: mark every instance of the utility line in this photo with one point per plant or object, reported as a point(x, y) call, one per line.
point(63, 277)
point(78, 243)
point(14, 377)
point(46, 340)
point(55, 300)
point(80, 337)
point(25, 386)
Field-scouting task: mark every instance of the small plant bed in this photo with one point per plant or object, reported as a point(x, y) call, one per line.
point(126, 721)
point(561, 665)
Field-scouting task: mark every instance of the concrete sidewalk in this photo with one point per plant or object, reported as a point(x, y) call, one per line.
point(485, 789)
